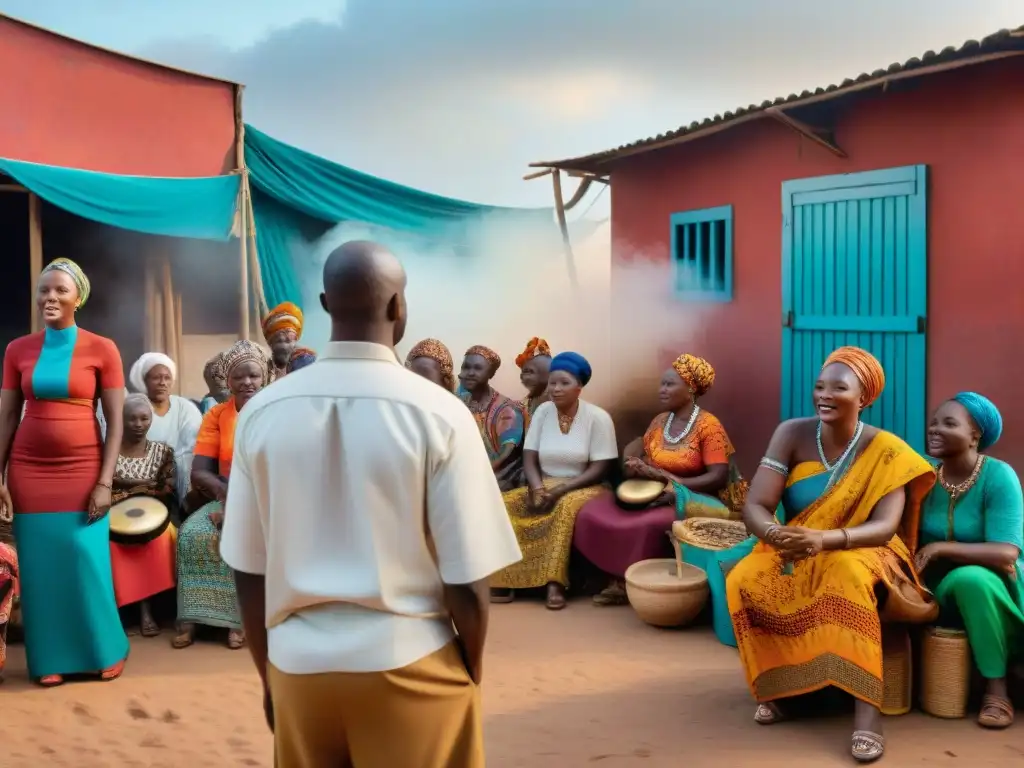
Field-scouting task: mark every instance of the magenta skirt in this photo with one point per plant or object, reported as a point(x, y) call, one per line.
point(613, 539)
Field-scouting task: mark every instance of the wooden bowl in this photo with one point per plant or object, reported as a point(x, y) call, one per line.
point(639, 493)
point(665, 593)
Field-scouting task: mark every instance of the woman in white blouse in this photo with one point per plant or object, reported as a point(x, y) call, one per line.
point(176, 420)
point(569, 449)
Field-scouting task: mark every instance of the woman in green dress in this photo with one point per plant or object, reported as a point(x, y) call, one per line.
point(972, 526)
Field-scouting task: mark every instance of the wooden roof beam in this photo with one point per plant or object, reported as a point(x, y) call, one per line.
point(823, 137)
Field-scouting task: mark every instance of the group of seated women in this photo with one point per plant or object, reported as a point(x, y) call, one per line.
point(851, 528)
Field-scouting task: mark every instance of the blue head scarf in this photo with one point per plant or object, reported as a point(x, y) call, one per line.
point(574, 364)
point(985, 415)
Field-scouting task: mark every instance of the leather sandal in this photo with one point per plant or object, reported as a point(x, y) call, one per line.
point(768, 714)
point(112, 673)
point(555, 598)
point(51, 681)
point(866, 747)
point(184, 638)
point(502, 596)
point(236, 639)
point(996, 712)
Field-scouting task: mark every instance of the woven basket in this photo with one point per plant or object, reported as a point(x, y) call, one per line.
point(708, 533)
point(897, 670)
point(665, 593)
point(945, 672)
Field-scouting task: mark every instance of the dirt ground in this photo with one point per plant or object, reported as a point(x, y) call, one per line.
point(583, 687)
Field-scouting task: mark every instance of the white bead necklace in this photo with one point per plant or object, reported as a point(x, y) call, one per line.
point(846, 452)
point(689, 425)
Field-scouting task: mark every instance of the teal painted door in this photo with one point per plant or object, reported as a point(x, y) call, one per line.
point(854, 271)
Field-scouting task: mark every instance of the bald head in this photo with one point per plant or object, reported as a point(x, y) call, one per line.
point(364, 293)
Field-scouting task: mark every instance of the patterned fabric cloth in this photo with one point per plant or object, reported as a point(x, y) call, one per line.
point(152, 473)
point(535, 347)
point(487, 354)
point(865, 367)
point(8, 594)
point(817, 625)
point(438, 352)
point(501, 424)
point(696, 373)
point(545, 539)
point(70, 268)
point(285, 316)
point(206, 586)
point(244, 351)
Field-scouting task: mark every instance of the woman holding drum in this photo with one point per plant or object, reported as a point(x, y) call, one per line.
point(206, 586)
point(682, 467)
point(142, 539)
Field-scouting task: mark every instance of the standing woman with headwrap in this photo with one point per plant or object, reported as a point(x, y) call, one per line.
point(60, 474)
point(972, 525)
point(568, 451)
point(282, 329)
point(206, 586)
point(216, 383)
point(685, 447)
point(805, 603)
point(176, 420)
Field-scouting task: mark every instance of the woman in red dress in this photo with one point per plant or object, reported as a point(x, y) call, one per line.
point(59, 478)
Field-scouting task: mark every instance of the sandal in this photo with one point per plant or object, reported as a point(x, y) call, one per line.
point(768, 714)
point(556, 598)
point(184, 638)
point(236, 639)
point(867, 747)
point(996, 712)
point(112, 673)
point(502, 596)
point(51, 681)
point(612, 595)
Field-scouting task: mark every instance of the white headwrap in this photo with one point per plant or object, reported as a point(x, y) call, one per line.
point(145, 364)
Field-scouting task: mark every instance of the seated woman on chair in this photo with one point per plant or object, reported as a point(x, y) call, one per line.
point(685, 447)
point(972, 525)
point(805, 602)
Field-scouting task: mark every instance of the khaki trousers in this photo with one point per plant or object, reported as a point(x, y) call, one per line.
point(425, 715)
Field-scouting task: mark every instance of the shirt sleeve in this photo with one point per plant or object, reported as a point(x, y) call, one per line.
point(111, 368)
point(1003, 506)
point(532, 441)
point(208, 437)
point(715, 447)
point(510, 426)
point(602, 436)
point(188, 432)
point(12, 377)
point(466, 515)
point(243, 543)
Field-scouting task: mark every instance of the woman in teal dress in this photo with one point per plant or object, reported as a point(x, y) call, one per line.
point(972, 528)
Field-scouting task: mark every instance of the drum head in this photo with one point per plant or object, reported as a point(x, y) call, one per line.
point(640, 492)
point(138, 519)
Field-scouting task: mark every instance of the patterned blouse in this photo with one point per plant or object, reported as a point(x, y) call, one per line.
point(152, 474)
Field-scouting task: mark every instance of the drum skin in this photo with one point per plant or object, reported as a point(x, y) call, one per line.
point(138, 520)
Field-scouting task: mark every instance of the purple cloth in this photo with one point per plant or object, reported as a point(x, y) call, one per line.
point(613, 538)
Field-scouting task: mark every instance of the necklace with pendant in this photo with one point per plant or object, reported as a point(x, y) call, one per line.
point(667, 431)
point(957, 490)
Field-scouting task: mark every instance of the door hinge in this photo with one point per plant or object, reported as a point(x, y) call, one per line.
point(922, 323)
point(787, 319)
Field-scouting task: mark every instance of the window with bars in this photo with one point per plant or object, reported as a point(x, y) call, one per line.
point(702, 254)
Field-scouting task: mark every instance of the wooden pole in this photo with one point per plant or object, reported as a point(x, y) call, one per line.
point(179, 345)
point(35, 252)
point(570, 260)
point(167, 305)
point(243, 240)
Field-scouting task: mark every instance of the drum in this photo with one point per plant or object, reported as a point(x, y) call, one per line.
point(637, 494)
point(138, 520)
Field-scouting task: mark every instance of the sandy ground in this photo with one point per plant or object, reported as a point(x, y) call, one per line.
point(584, 687)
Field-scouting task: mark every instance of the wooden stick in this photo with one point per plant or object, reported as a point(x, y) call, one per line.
point(570, 261)
point(179, 345)
point(12, 188)
point(167, 301)
point(537, 174)
point(579, 194)
point(35, 253)
point(243, 242)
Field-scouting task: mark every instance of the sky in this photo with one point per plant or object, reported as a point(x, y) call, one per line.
point(457, 97)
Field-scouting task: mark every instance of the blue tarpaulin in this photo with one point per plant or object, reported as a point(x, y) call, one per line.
point(297, 196)
point(201, 208)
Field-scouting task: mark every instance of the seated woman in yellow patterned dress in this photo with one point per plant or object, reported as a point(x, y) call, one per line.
point(568, 451)
point(686, 448)
point(805, 603)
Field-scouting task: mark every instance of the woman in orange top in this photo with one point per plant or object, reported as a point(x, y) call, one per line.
point(685, 447)
point(206, 586)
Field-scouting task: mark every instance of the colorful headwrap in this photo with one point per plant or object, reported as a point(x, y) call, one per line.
point(244, 351)
point(141, 368)
point(574, 364)
point(696, 373)
point(284, 315)
point(865, 367)
point(535, 347)
point(215, 369)
point(68, 267)
point(301, 357)
point(985, 415)
point(435, 350)
point(487, 354)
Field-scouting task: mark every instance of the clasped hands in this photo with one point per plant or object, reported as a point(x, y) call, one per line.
point(795, 543)
point(544, 498)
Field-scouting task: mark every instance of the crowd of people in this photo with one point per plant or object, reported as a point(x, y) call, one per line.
point(850, 527)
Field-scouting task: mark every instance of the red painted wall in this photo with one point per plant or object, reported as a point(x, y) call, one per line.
point(967, 125)
point(65, 103)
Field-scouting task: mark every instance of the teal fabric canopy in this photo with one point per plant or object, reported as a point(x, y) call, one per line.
point(297, 197)
point(202, 208)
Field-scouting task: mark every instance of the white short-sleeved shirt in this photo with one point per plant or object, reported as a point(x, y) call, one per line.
point(339, 471)
point(591, 438)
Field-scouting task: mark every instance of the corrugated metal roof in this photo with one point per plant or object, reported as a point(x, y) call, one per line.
point(1006, 42)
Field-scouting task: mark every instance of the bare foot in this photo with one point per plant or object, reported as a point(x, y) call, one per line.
point(556, 597)
point(147, 623)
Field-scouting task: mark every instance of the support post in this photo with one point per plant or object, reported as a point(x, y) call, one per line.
point(243, 240)
point(35, 253)
point(570, 260)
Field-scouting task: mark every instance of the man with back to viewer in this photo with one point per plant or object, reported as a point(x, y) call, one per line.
point(362, 521)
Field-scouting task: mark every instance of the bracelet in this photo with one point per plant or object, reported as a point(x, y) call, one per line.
point(101, 484)
point(846, 535)
point(770, 531)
